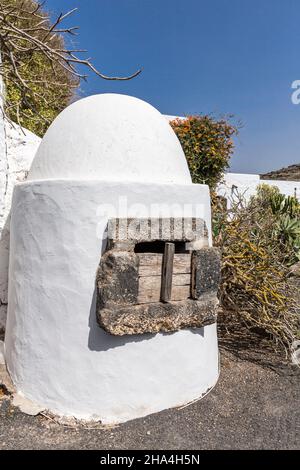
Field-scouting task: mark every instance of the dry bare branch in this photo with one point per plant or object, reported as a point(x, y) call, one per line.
point(27, 36)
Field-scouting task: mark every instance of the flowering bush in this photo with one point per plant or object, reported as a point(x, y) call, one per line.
point(208, 146)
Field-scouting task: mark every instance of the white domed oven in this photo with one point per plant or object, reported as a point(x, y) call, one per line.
point(101, 325)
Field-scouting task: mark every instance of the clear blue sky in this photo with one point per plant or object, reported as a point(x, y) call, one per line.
point(202, 56)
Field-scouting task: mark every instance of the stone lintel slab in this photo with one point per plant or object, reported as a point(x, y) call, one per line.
point(158, 317)
point(141, 230)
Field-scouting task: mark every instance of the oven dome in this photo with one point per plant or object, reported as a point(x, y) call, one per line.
point(111, 137)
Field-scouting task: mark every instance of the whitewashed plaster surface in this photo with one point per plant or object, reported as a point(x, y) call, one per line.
point(56, 353)
point(106, 156)
point(114, 137)
point(17, 149)
point(246, 185)
point(289, 188)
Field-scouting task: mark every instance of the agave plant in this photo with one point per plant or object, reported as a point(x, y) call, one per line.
point(281, 204)
point(277, 203)
point(288, 231)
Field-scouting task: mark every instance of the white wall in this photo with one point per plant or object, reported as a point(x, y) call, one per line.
point(17, 149)
point(56, 353)
point(246, 185)
point(289, 188)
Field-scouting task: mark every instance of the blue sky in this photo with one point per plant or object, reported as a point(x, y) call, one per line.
point(203, 56)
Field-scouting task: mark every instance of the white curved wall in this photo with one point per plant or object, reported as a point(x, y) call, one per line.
point(56, 353)
point(113, 137)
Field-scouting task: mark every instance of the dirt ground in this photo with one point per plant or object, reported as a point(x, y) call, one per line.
point(255, 405)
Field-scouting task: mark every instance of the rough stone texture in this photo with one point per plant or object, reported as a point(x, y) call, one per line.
point(158, 317)
point(117, 279)
point(166, 229)
point(206, 266)
point(289, 173)
point(126, 245)
point(197, 244)
point(118, 309)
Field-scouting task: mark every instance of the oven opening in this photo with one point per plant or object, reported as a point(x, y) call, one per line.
point(158, 246)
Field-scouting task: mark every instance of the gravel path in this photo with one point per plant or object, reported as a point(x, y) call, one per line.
point(252, 407)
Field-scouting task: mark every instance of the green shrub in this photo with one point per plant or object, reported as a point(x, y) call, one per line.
point(286, 213)
point(208, 146)
point(257, 240)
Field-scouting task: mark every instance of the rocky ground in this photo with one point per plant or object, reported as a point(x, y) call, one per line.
point(289, 173)
point(255, 405)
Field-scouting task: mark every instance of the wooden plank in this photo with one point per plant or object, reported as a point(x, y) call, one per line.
point(151, 264)
point(146, 271)
point(154, 258)
point(149, 282)
point(148, 296)
point(180, 293)
point(182, 263)
point(167, 272)
point(181, 279)
point(154, 282)
point(150, 259)
point(151, 295)
point(150, 271)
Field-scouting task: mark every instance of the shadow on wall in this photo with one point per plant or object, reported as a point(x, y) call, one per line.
point(99, 340)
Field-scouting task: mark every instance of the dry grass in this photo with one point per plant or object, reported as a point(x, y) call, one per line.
point(255, 290)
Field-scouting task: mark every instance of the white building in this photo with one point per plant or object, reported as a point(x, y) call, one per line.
point(246, 184)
